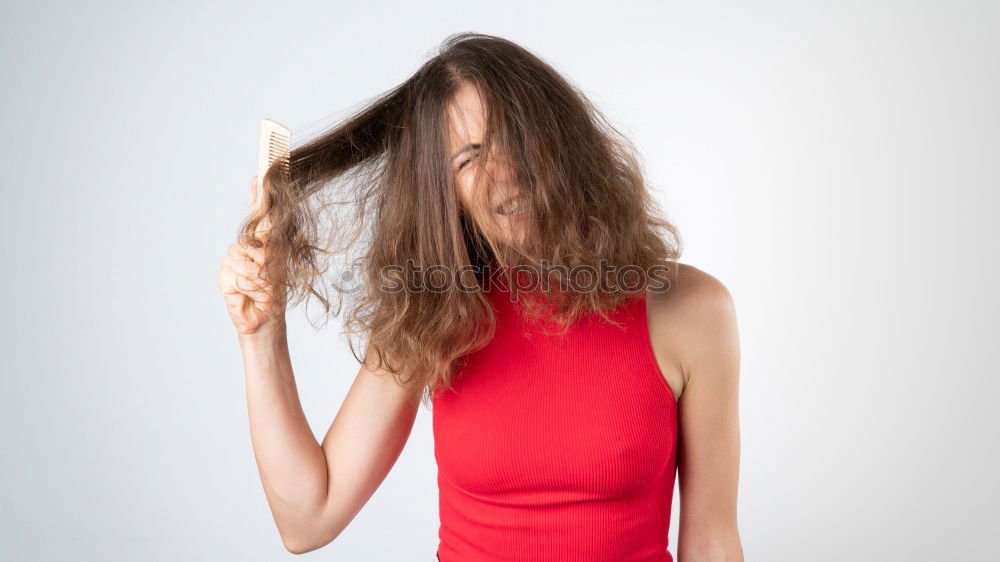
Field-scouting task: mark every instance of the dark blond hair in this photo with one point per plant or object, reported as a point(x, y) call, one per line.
point(589, 206)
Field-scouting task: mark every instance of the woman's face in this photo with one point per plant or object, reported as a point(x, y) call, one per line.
point(491, 204)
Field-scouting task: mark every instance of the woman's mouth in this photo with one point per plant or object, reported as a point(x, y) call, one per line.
point(511, 206)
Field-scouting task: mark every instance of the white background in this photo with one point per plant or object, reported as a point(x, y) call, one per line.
point(835, 164)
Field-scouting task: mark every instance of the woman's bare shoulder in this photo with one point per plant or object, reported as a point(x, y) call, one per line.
point(692, 291)
point(691, 317)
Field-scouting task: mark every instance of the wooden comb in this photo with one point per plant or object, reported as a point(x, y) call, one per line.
point(275, 143)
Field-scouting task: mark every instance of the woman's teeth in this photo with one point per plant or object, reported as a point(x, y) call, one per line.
point(510, 208)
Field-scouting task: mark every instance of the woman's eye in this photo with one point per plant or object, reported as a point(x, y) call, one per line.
point(464, 162)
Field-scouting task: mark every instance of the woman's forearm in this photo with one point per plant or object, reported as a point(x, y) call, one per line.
point(292, 466)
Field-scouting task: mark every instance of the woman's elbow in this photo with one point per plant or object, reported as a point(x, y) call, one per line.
point(298, 544)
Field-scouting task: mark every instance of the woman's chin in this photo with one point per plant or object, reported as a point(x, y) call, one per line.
point(509, 229)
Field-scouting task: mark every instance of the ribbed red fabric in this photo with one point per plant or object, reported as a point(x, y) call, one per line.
point(557, 448)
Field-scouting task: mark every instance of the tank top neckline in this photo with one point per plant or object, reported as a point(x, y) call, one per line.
point(557, 448)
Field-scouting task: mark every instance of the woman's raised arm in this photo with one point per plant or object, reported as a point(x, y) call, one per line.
point(314, 490)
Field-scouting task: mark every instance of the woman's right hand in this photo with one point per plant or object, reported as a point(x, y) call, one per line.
point(253, 305)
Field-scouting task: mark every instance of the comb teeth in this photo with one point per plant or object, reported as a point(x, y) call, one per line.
point(278, 149)
point(275, 142)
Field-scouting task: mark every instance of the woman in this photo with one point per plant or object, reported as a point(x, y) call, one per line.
point(512, 281)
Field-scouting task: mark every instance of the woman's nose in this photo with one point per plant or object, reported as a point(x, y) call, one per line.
point(499, 172)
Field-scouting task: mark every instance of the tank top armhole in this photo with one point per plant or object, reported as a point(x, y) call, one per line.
point(647, 346)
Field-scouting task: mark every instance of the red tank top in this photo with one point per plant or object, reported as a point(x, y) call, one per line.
point(553, 448)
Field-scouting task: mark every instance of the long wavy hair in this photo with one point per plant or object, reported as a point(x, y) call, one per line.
point(416, 261)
